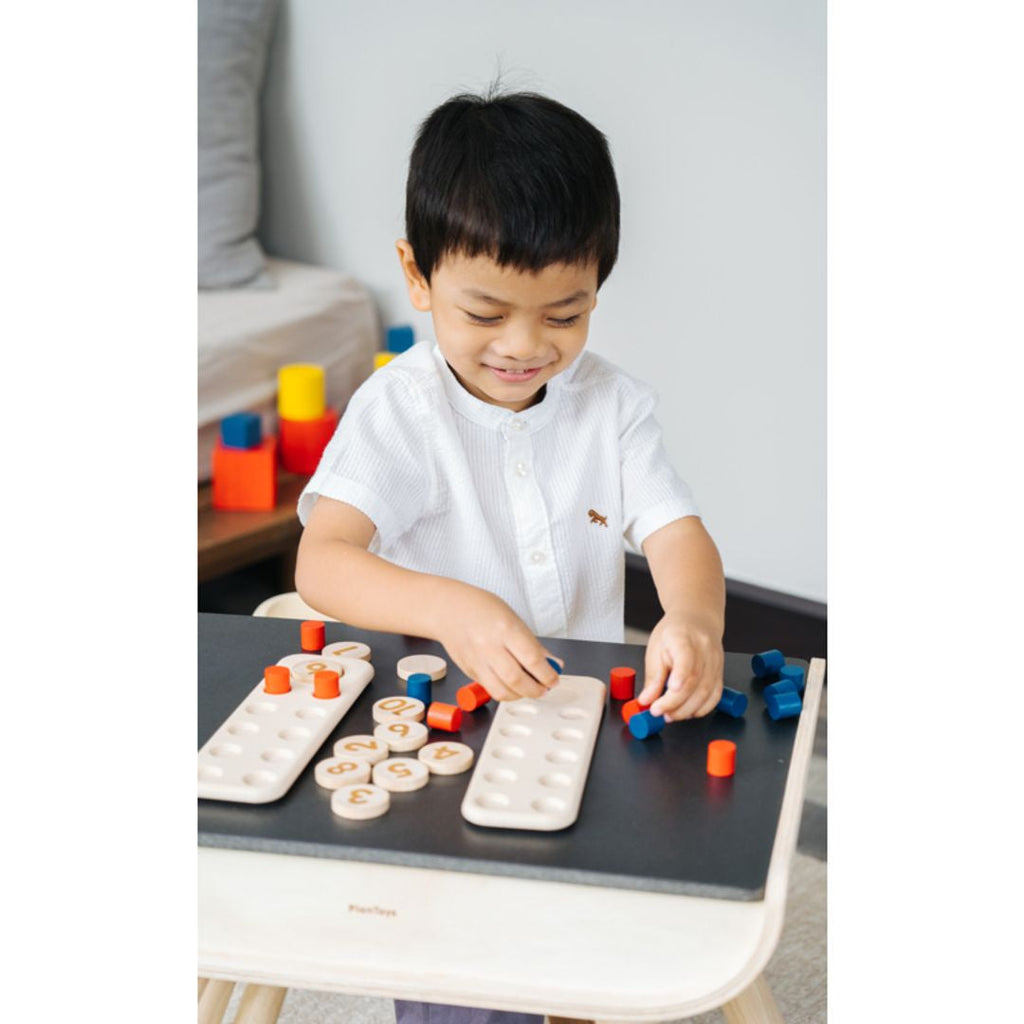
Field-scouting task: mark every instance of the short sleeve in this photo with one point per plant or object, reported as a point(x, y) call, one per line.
point(377, 459)
point(653, 495)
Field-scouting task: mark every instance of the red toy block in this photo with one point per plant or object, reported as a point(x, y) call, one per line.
point(245, 480)
point(311, 634)
point(631, 708)
point(304, 441)
point(471, 697)
point(721, 758)
point(623, 683)
point(444, 716)
point(326, 685)
point(277, 679)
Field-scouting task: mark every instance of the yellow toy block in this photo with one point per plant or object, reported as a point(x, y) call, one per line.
point(380, 358)
point(301, 394)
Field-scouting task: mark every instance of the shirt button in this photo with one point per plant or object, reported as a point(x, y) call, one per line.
point(537, 557)
point(522, 468)
point(517, 424)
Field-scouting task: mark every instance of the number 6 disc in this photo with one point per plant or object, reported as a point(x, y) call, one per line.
point(402, 736)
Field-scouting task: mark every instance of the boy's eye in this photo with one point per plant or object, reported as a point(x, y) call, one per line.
point(490, 320)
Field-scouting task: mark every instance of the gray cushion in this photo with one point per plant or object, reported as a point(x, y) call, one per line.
point(233, 39)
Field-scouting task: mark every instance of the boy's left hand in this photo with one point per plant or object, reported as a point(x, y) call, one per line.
point(682, 669)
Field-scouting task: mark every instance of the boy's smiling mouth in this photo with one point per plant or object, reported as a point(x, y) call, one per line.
point(514, 376)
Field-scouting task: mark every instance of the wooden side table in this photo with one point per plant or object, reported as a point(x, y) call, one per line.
point(235, 540)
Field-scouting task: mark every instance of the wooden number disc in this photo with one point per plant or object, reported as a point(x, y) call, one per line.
point(360, 801)
point(401, 774)
point(387, 709)
point(336, 772)
point(304, 666)
point(361, 748)
point(446, 758)
point(431, 664)
point(348, 649)
point(401, 736)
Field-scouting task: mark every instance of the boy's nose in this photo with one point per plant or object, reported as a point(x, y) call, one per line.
point(521, 343)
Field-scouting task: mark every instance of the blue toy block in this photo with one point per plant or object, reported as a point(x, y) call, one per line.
point(782, 686)
point(644, 725)
point(733, 702)
point(242, 430)
point(399, 338)
point(784, 705)
point(766, 665)
point(795, 673)
point(418, 686)
point(554, 664)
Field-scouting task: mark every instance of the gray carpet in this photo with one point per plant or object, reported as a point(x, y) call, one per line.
point(796, 973)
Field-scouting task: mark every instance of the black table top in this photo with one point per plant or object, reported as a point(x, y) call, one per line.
point(651, 817)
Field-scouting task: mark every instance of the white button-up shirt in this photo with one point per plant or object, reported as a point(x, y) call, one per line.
point(534, 506)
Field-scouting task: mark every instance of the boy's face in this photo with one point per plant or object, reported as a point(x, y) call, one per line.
point(505, 333)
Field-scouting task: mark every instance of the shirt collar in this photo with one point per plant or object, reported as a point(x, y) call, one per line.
point(494, 416)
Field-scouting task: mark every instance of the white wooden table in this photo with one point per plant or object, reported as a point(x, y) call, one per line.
point(581, 951)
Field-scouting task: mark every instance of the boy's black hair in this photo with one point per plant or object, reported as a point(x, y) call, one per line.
point(518, 177)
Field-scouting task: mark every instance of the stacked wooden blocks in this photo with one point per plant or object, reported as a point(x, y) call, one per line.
point(397, 341)
point(244, 465)
point(305, 423)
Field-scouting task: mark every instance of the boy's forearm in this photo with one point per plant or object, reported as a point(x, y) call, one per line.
point(354, 586)
point(687, 572)
point(481, 634)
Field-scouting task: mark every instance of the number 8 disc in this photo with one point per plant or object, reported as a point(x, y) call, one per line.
point(336, 772)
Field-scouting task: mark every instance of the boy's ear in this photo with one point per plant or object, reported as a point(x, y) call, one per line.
point(419, 290)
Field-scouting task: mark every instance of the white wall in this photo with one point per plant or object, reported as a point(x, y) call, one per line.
point(715, 112)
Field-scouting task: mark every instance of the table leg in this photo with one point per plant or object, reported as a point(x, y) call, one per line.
point(260, 1004)
point(754, 1005)
point(213, 1000)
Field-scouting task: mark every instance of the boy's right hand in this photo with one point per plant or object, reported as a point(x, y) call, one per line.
point(492, 645)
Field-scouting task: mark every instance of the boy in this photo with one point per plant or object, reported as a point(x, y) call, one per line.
point(477, 491)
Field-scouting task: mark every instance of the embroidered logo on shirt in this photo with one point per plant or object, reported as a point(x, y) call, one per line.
point(596, 517)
